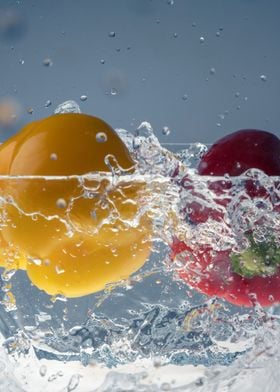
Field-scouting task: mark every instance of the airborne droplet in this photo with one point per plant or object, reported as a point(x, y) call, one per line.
point(165, 131)
point(47, 62)
point(113, 91)
point(48, 103)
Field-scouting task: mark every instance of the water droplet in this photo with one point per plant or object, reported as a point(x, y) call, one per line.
point(59, 270)
point(118, 50)
point(112, 34)
point(83, 98)
point(263, 78)
point(101, 137)
point(212, 71)
point(102, 61)
point(35, 260)
point(47, 62)
point(170, 2)
point(113, 91)
point(193, 24)
point(61, 203)
point(9, 302)
point(185, 97)
point(68, 107)
point(218, 33)
point(53, 156)
point(30, 110)
point(175, 35)
point(202, 40)
point(237, 94)
point(48, 103)
point(7, 275)
point(21, 61)
point(218, 124)
point(42, 317)
point(165, 131)
point(59, 297)
point(157, 20)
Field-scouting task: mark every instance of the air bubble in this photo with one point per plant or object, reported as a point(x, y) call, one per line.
point(61, 203)
point(83, 98)
point(175, 35)
point(165, 386)
point(157, 362)
point(112, 34)
point(73, 382)
point(21, 61)
point(30, 110)
point(263, 78)
point(212, 71)
point(271, 298)
point(43, 370)
point(101, 137)
point(202, 40)
point(102, 61)
point(185, 97)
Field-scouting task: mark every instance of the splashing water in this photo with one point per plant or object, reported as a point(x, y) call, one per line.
point(151, 332)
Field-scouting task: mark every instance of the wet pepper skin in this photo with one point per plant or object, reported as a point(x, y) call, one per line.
point(72, 237)
point(252, 276)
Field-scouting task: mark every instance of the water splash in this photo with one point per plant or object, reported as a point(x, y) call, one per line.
point(153, 314)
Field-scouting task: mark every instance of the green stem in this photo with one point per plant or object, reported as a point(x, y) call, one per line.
point(260, 259)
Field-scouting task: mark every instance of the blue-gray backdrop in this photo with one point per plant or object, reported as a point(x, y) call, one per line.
point(202, 68)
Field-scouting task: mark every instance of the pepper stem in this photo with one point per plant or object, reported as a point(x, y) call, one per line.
point(260, 259)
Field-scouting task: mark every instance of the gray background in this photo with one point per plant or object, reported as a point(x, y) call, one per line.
point(155, 59)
